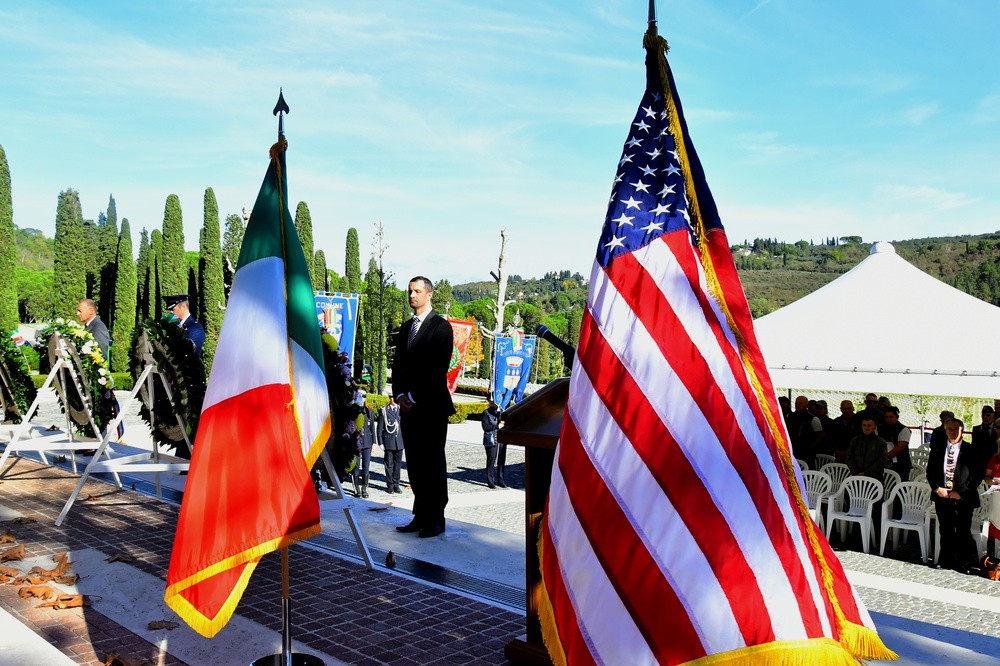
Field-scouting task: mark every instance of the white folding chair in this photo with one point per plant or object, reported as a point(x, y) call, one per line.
point(824, 459)
point(861, 493)
point(916, 501)
point(818, 486)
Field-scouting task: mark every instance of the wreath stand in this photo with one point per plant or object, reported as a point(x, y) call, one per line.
point(338, 500)
point(28, 437)
point(153, 461)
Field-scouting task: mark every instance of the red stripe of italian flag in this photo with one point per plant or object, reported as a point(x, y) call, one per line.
point(265, 419)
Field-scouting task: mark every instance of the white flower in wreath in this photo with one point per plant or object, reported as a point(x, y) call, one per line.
point(87, 348)
point(102, 372)
point(103, 381)
point(60, 320)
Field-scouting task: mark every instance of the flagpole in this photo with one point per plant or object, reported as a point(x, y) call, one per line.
point(286, 658)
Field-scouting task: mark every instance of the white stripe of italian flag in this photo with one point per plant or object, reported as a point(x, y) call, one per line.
point(265, 420)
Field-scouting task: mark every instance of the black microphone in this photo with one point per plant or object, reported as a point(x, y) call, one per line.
point(568, 352)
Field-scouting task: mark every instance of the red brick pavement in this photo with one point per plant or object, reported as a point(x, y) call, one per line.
point(341, 609)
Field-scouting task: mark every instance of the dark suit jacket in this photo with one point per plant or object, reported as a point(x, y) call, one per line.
point(422, 370)
point(969, 472)
point(195, 332)
point(368, 436)
point(389, 435)
point(97, 329)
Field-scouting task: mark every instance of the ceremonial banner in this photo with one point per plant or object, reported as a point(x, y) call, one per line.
point(676, 530)
point(514, 356)
point(338, 314)
point(265, 419)
point(461, 331)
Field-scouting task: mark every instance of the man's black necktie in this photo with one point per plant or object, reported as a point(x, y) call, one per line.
point(413, 333)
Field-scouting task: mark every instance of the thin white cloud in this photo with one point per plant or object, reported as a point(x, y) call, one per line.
point(925, 196)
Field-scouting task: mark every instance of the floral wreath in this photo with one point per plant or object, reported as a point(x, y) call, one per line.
point(20, 392)
point(95, 372)
point(345, 409)
point(179, 364)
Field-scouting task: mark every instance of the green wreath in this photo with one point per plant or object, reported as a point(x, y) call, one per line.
point(90, 366)
point(344, 444)
point(166, 343)
point(17, 391)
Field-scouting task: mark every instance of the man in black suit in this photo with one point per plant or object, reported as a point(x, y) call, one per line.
point(955, 468)
point(195, 332)
point(86, 312)
point(420, 384)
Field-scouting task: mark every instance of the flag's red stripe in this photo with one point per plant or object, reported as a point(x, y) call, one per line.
point(574, 646)
point(639, 422)
point(633, 572)
point(680, 246)
point(658, 316)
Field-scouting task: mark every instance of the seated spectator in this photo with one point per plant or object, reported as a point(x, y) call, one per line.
point(955, 469)
point(897, 437)
point(883, 403)
point(984, 436)
point(805, 431)
point(786, 406)
point(992, 477)
point(866, 454)
point(843, 429)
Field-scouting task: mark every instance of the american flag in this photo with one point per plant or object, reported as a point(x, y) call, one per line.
point(675, 528)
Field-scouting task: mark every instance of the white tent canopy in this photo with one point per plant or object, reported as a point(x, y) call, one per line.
point(885, 326)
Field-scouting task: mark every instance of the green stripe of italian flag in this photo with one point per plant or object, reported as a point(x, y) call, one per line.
point(265, 420)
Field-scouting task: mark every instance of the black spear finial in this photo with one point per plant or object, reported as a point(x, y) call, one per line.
point(652, 17)
point(280, 108)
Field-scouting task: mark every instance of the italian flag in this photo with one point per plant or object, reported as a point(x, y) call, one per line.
point(265, 420)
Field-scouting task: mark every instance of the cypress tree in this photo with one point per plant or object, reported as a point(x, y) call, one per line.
point(142, 276)
point(8, 251)
point(69, 279)
point(233, 240)
point(352, 262)
point(171, 263)
point(155, 273)
point(304, 226)
point(125, 309)
point(91, 256)
point(107, 237)
point(372, 344)
point(320, 278)
point(213, 296)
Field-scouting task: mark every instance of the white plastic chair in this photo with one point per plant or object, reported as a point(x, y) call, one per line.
point(980, 526)
point(803, 465)
point(916, 501)
point(918, 457)
point(917, 471)
point(818, 486)
point(824, 459)
point(861, 493)
point(837, 473)
point(890, 479)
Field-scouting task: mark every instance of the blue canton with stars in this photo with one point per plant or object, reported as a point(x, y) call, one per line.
point(648, 197)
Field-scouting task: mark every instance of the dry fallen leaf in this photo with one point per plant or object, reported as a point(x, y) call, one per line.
point(90, 498)
point(22, 520)
point(9, 571)
point(62, 566)
point(8, 537)
point(69, 579)
point(112, 659)
point(4, 579)
point(64, 601)
point(121, 557)
point(162, 624)
point(40, 591)
point(13, 553)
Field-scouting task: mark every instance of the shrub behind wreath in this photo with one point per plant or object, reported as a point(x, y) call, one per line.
point(345, 434)
point(180, 366)
point(17, 391)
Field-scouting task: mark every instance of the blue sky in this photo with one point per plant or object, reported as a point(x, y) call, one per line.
point(452, 120)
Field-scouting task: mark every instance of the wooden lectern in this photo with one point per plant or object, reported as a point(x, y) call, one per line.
point(535, 424)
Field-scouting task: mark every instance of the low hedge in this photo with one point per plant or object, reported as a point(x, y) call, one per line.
point(464, 410)
point(123, 381)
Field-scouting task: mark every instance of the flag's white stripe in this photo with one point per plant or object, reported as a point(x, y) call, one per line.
point(252, 350)
point(311, 399)
point(671, 400)
point(658, 260)
point(665, 536)
point(594, 598)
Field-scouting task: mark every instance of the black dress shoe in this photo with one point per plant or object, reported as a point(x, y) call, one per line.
point(501, 484)
point(414, 526)
point(427, 532)
point(491, 486)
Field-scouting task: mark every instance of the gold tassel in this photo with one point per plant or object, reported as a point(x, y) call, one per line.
point(546, 615)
